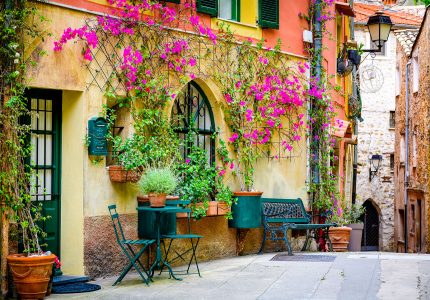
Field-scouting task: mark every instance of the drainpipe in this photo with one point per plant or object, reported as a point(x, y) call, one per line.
point(355, 130)
point(406, 154)
point(316, 73)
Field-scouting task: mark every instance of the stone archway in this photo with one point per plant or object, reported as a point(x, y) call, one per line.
point(370, 239)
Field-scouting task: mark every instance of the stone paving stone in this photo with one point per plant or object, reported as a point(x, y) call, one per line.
point(351, 276)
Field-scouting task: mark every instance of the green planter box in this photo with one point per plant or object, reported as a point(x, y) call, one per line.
point(247, 211)
point(146, 223)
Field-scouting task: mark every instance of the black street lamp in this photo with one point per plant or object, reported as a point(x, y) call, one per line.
point(374, 161)
point(379, 26)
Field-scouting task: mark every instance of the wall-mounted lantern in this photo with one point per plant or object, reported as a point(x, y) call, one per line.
point(374, 161)
point(379, 26)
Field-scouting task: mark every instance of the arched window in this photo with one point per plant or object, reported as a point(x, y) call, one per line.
point(192, 110)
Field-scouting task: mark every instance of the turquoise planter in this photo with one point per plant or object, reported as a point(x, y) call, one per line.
point(247, 211)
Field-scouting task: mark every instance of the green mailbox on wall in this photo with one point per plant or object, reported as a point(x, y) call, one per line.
point(97, 131)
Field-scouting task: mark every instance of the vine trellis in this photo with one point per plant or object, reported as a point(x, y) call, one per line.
point(212, 59)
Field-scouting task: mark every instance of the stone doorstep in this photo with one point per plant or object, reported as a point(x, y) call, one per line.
point(66, 279)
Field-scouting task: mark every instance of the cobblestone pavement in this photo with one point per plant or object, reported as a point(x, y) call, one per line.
point(364, 275)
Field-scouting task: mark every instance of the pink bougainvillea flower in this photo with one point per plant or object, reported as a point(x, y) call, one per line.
point(234, 137)
point(270, 123)
point(194, 20)
point(211, 36)
point(187, 161)
point(87, 55)
point(202, 29)
point(231, 166)
point(192, 61)
point(221, 173)
point(228, 98)
point(249, 115)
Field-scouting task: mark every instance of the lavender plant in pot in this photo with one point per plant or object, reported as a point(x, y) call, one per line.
point(157, 183)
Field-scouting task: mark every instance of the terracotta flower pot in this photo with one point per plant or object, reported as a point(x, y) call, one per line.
point(339, 237)
point(212, 209)
point(223, 208)
point(121, 175)
point(31, 275)
point(157, 200)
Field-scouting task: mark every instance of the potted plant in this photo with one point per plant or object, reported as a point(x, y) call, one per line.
point(200, 181)
point(340, 235)
point(354, 56)
point(152, 144)
point(262, 99)
point(32, 269)
point(355, 212)
point(157, 183)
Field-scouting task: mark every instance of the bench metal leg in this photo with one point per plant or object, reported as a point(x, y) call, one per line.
point(263, 242)
point(287, 242)
point(327, 238)
point(305, 246)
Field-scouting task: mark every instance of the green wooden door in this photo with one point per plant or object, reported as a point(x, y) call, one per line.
point(45, 159)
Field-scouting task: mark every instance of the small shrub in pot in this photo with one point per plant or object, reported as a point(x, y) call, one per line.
point(157, 183)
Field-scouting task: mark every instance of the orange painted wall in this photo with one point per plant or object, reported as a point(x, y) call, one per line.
point(91, 6)
point(291, 26)
point(332, 44)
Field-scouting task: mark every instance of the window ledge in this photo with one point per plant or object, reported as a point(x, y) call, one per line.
point(392, 128)
point(241, 29)
point(236, 23)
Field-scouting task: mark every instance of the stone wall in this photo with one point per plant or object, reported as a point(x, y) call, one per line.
point(376, 137)
point(419, 146)
point(103, 256)
point(399, 166)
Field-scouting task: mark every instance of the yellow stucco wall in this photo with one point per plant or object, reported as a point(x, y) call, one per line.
point(72, 176)
point(86, 187)
point(247, 26)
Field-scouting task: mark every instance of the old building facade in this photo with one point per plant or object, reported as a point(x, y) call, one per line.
point(376, 131)
point(412, 146)
point(64, 95)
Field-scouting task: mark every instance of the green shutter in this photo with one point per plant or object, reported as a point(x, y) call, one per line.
point(268, 14)
point(173, 1)
point(209, 7)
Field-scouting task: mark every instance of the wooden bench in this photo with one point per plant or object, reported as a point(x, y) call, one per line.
point(279, 215)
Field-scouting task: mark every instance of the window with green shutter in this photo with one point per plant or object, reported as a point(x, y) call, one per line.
point(268, 14)
point(209, 7)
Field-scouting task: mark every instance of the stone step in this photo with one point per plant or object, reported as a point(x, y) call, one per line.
point(66, 279)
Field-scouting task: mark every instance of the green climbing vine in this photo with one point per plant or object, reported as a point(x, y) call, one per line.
point(17, 18)
point(324, 182)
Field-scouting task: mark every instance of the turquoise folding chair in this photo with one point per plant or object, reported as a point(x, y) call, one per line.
point(193, 238)
point(126, 247)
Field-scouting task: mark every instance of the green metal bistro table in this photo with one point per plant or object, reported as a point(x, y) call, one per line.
point(159, 260)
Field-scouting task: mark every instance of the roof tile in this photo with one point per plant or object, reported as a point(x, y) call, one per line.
point(406, 39)
point(364, 11)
